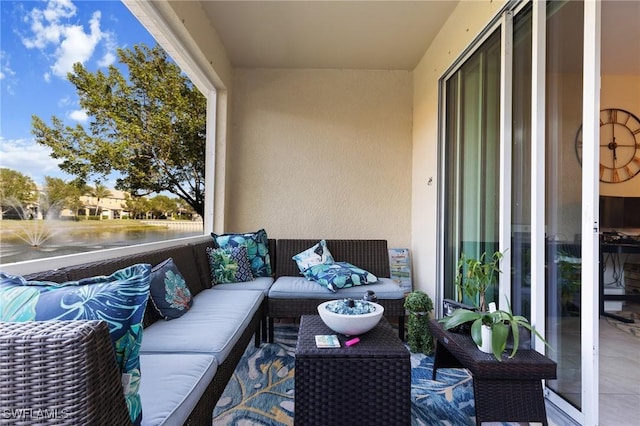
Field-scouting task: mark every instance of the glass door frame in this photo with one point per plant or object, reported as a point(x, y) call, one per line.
point(589, 412)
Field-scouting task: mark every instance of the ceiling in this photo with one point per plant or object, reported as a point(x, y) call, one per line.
point(391, 34)
point(327, 34)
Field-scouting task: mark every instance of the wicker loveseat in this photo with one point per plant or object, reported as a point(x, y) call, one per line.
point(292, 296)
point(66, 370)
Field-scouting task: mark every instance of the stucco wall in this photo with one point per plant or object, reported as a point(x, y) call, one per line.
point(621, 91)
point(461, 28)
point(321, 154)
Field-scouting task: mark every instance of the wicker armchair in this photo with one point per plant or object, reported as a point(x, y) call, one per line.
point(59, 372)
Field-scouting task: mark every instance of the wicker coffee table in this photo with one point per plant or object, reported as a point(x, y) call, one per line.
point(365, 384)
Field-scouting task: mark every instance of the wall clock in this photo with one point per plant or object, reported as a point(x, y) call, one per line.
point(619, 145)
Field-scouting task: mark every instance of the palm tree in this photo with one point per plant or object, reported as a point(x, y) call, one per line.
point(99, 192)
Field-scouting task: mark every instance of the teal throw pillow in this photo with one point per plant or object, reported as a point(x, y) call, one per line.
point(335, 276)
point(119, 299)
point(312, 256)
point(257, 244)
point(229, 265)
point(170, 295)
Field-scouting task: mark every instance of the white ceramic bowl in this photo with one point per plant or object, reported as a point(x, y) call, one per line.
point(350, 325)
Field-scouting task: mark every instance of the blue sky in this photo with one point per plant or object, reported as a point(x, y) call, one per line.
point(39, 43)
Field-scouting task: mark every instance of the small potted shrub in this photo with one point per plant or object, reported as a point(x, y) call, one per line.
point(418, 304)
point(475, 276)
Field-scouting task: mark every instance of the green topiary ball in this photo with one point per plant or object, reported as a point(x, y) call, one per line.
point(419, 338)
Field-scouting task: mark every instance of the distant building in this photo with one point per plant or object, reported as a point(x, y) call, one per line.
point(112, 207)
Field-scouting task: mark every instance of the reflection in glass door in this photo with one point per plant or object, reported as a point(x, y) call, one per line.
point(563, 176)
point(472, 157)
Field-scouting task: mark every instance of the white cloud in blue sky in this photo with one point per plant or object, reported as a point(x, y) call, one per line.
point(39, 43)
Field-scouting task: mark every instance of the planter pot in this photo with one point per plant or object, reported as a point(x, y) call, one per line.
point(487, 334)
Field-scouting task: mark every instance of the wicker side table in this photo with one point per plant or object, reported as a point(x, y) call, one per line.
point(507, 390)
point(365, 384)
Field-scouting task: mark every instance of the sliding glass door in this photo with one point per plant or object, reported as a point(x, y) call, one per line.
point(509, 142)
point(472, 151)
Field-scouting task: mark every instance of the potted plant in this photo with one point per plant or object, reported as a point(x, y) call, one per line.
point(418, 305)
point(475, 276)
point(502, 323)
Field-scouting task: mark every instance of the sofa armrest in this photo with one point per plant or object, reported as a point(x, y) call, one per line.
point(62, 370)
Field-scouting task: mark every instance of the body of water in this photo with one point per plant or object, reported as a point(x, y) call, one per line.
point(84, 241)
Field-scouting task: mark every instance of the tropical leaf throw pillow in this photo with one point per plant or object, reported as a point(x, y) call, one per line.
point(257, 244)
point(337, 275)
point(229, 265)
point(119, 299)
point(312, 256)
point(170, 295)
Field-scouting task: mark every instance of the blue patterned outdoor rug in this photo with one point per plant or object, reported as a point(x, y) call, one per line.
point(261, 391)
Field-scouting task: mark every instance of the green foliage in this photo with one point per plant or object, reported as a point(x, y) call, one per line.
point(475, 276)
point(59, 194)
point(149, 126)
point(137, 206)
point(162, 206)
point(419, 338)
point(16, 187)
point(99, 192)
point(502, 322)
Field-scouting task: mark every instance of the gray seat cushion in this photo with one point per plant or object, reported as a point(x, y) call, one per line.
point(213, 325)
point(301, 288)
point(171, 385)
point(260, 283)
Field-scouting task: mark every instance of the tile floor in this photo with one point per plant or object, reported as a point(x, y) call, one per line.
point(619, 376)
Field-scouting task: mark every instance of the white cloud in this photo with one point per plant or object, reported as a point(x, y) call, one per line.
point(7, 75)
point(77, 46)
point(109, 56)
point(51, 28)
point(78, 115)
point(45, 23)
point(29, 158)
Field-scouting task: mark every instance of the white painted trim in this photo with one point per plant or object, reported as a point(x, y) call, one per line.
point(53, 263)
point(162, 23)
point(538, 205)
point(210, 162)
point(506, 115)
point(590, 210)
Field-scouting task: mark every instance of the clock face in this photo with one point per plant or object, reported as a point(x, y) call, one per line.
point(619, 145)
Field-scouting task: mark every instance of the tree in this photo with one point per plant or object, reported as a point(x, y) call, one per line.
point(59, 194)
point(163, 206)
point(99, 192)
point(16, 190)
point(149, 126)
point(137, 206)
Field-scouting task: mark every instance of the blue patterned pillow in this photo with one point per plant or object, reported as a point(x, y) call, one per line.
point(170, 295)
point(257, 245)
point(229, 265)
point(119, 299)
point(335, 276)
point(315, 255)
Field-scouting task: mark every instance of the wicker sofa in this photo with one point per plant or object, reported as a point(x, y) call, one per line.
point(204, 345)
point(292, 296)
point(68, 368)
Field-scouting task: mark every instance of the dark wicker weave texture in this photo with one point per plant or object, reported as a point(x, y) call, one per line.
point(72, 377)
point(515, 382)
point(365, 384)
point(371, 255)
